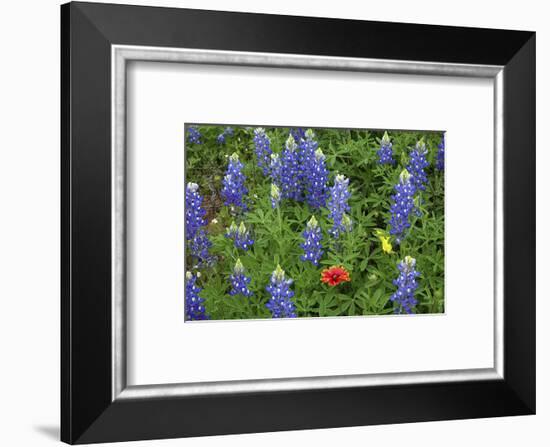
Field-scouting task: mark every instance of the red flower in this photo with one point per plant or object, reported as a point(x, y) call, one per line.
point(335, 275)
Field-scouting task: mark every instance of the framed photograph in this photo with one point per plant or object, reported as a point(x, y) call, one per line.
point(279, 223)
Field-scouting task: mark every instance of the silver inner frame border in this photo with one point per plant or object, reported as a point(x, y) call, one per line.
point(120, 56)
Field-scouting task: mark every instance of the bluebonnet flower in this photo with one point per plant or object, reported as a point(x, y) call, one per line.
point(290, 175)
point(194, 135)
point(402, 206)
point(406, 284)
point(280, 304)
point(194, 307)
point(316, 181)
point(240, 235)
point(313, 250)
point(239, 281)
point(231, 232)
point(416, 165)
point(276, 169)
point(307, 148)
point(194, 212)
point(233, 190)
point(199, 247)
point(298, 134)
point(338, 205)
point(385, 153)
point(313, 172)
point(262, 145)
point(275, 196)
point(195, 233)
point(440, 162)
point(243, 239)
point(228, 131)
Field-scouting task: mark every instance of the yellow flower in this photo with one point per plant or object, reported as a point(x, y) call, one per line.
point(386, 244)
point(385, 240)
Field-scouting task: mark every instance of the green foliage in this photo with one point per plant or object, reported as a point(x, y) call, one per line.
point(278, 233)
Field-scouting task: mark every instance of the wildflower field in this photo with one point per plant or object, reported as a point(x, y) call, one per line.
point(296, 222)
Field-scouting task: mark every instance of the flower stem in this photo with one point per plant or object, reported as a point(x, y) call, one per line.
point(280, 222)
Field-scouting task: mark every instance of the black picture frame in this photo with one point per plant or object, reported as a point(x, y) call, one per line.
point(88, 411)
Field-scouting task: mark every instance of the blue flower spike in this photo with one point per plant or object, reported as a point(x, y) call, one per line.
point(307, 148)
point(234, 190)
point(385, 153)
point(240, 235)
point(194, 135)
point(243, 240)
point(402, 206)
point(194, 212)
point(194, 304)
point(338, 204)
point(406, 283)
point(239, 281)
point(316, 181)
point(440, 161)
point(313, 250)
point(417, 164)
point(290, 175)
point(262, 147)
point(195, 224)
point(280, 304)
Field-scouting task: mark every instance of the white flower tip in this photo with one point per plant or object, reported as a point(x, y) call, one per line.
point(242, 228)
point(312, 223)
point(239, 268)
point(340, 178)
point(421, 146)
point(410, 262)
point(290, 143)
point(279, 273)
point(232, 228)
point(404, 177)
point(275, 192)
